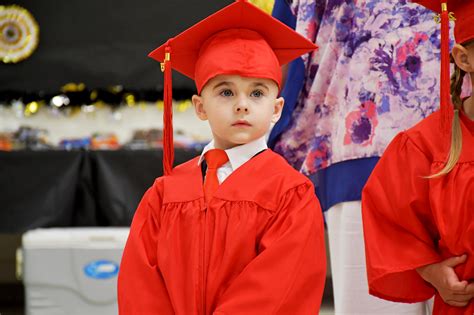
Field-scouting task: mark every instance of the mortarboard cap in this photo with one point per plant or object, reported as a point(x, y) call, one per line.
point(239, 39)
point(461, 11)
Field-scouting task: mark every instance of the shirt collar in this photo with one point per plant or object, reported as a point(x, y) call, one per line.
point(240, 154)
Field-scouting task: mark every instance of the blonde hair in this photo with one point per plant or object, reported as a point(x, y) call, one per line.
point(457, 80)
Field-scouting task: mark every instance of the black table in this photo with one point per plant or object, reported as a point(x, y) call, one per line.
point(76, 188)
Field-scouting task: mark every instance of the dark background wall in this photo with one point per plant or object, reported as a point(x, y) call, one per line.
point(102, 42)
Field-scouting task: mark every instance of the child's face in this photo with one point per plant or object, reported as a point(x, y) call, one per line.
point(239, 109)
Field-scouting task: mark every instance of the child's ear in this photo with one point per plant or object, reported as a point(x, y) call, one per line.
point(277, 109)
point(199, 107)
point(461, 58)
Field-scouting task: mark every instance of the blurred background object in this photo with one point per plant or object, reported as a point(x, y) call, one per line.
point(71, 271)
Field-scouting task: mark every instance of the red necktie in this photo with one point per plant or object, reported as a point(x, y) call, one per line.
point(215, 158)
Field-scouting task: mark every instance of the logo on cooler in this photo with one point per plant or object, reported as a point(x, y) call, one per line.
point(101, 269)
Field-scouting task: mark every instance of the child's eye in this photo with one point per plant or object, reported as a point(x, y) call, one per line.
point(226, 93)
point(257, 93)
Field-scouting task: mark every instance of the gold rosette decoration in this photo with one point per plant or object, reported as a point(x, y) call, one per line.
point(19, 34)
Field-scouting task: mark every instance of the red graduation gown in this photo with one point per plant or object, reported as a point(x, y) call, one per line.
point(257, 248)
point(410, 221)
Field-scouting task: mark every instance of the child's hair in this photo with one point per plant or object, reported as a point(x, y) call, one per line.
point(457, 80)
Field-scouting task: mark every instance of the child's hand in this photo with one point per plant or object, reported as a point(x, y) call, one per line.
point(444, 279)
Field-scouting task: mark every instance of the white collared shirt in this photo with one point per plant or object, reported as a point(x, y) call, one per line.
point(237, 156)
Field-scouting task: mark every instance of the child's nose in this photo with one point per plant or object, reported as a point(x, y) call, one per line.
point(241, 106)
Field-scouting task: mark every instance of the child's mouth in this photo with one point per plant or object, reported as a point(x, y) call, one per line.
point(241, 123)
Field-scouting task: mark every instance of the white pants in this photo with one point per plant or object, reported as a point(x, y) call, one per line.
point(349, 278)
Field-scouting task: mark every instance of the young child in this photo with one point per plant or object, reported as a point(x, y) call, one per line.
point(246, 237)
point(418, 205)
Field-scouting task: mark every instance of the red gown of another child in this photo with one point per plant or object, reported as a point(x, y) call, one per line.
point(411, 221)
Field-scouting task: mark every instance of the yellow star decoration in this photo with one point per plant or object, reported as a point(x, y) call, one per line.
point(265, 5)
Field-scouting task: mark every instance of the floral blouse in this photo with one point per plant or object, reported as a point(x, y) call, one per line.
point(375, 74)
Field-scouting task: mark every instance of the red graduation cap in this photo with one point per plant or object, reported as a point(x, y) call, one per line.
point(462, 11)
point(240, 39)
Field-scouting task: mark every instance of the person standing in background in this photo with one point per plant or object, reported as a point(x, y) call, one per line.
point(376, 73)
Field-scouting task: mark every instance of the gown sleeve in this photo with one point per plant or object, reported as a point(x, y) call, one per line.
point(141, 288)
point(399, 230)
point(288, 274)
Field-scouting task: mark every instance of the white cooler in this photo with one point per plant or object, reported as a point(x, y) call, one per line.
point(72, 271)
